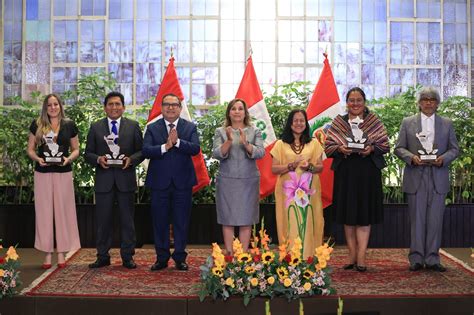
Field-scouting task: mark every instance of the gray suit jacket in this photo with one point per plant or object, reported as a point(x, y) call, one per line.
point(238, 163)
point(408, 145)
point(130, 142)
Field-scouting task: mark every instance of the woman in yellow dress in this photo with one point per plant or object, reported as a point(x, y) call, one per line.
point(297, 159)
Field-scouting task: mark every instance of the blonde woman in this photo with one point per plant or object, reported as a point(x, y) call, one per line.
point(55, 205)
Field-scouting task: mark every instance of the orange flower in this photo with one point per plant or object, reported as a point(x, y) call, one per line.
point(265, 239)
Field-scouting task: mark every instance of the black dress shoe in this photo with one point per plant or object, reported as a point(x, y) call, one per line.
point(348, 266)
point(437, 267)
point(416, 267)
point(361, 268)
point(129, 264)
point(99, 263)
point(159, 265)
point(182, 266)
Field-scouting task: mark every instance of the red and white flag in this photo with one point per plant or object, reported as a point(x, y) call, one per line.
point(324, 103)
point(249, 91)
point(170, 84)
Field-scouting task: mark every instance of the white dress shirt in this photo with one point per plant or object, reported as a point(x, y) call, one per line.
point(428, 126)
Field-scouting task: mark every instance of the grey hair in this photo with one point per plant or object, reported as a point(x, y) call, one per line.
point(427, 92)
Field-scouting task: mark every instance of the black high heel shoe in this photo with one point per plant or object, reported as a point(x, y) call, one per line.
point(361, 268)
point(349, 266)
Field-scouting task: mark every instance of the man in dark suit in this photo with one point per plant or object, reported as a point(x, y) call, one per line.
point(170, 143)
point(114, 183)
point(426, 183)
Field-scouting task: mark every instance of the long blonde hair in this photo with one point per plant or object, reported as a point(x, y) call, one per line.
point(43, 121)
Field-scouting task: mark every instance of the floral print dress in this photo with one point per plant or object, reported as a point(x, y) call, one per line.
point(299, 210)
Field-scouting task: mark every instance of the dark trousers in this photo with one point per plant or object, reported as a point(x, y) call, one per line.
point(104, 218)
point(171, 205)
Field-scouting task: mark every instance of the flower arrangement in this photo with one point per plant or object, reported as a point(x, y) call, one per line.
point(264, 272)
point(9, 274)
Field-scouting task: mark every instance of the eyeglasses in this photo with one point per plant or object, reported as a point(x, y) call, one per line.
point(428, 100)
point(171, 105)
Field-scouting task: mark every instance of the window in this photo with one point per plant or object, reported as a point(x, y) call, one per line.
point(382, 46)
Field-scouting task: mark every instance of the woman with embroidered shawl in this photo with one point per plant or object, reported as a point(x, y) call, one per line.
point(296, 159)
point(357, 195)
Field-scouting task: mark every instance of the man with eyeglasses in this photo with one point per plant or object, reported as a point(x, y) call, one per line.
point(114, 182)
point(426, 183)
point(170, 143)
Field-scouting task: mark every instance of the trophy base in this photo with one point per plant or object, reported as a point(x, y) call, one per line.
point(114, 163)
point(428, 158)
point(53, 160)
point(356, 147)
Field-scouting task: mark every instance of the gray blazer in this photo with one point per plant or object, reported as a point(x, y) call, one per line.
point(408, 145)
point(238, 163)
point(130, 142)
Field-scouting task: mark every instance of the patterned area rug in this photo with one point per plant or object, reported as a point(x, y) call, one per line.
point(387, 275)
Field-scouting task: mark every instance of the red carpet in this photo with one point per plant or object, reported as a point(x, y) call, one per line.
point(387, 275)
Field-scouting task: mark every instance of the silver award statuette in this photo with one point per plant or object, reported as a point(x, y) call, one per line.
point(358, 140)
point(51, 153)
point(428, 154)
point(115, 159)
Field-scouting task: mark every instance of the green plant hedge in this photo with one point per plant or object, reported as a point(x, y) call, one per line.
point(17, 170)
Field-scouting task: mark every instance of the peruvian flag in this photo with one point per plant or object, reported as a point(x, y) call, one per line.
point(170, 84)
point(249, 91)
point(324, 104)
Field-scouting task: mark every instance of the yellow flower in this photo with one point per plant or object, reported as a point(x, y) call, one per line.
point(216, 250)
point(307, 286)
point(282, 272)
point(322, 264)
point(244, 257)
point(2, 272)
point(270, 280)
point(219, 260)
point(267, 257)
point(249, 270)
point(307, 274)
point(296, 248)
point(230, 282)
point(237, 247)
point(287, 282)
point(295, 260)
point(217, 272)
point(254, 282)
point(11, 254)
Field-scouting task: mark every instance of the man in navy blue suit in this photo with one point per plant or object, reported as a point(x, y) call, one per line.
point(170, 143)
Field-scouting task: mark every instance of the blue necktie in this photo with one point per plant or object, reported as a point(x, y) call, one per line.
point(114, 130)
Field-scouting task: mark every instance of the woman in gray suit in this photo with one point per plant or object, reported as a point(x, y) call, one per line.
point(237, 146)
